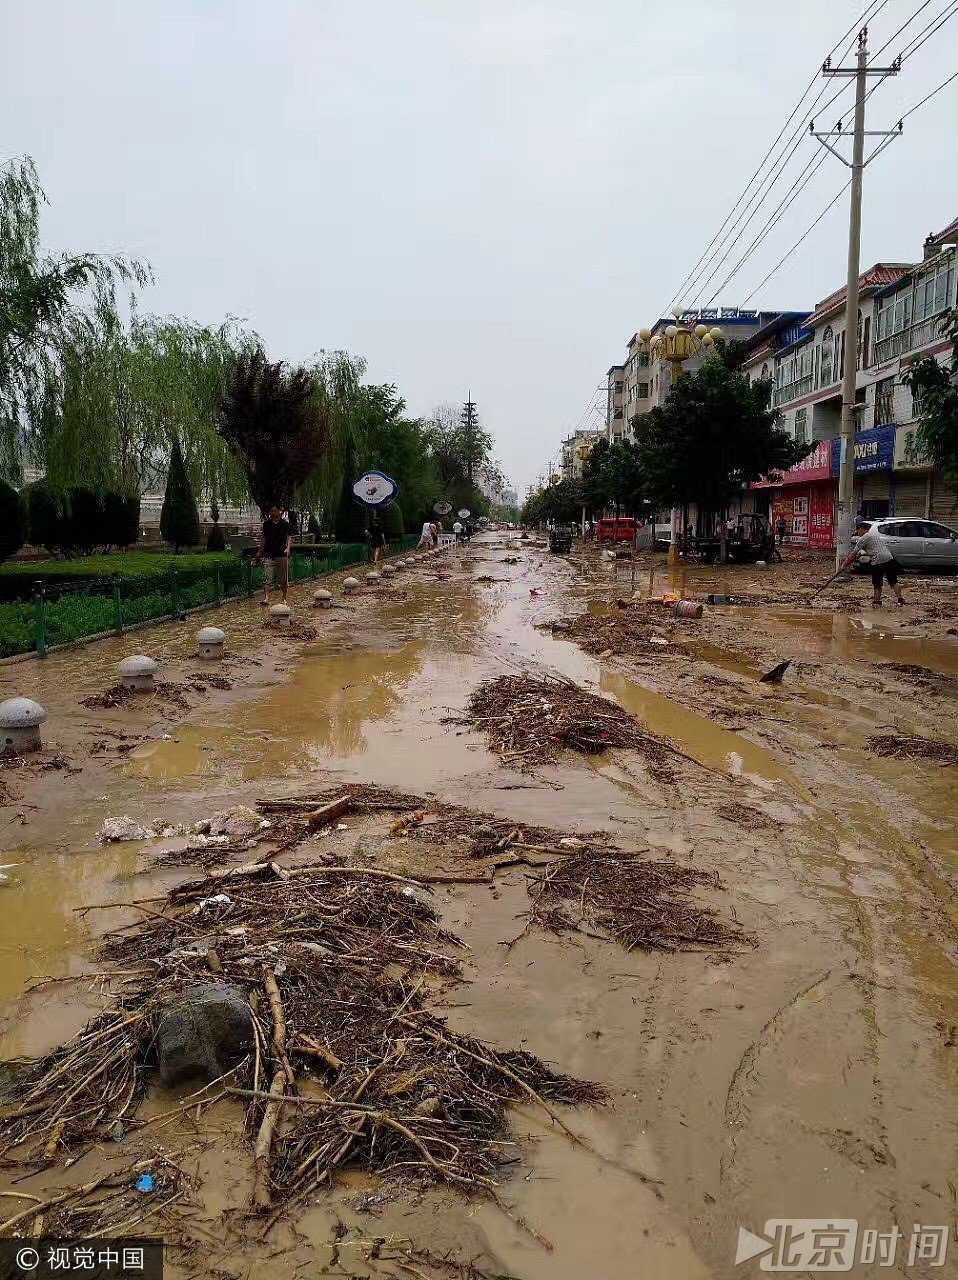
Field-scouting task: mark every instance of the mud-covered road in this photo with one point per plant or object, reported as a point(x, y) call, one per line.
point(813, 1073)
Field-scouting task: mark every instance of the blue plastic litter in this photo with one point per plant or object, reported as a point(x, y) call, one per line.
point(144, 1182)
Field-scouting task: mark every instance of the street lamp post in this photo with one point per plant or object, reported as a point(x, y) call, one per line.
point(676, 344)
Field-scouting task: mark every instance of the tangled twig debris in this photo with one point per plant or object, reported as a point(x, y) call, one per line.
point(337, 963)
point(909, 746)
point(529, 719)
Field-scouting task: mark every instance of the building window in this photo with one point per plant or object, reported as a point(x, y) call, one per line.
point(643, 359)
point(765, 372)
point(827, 351)
point(617, 388)
point(801, 426)
point(866, 342)
point(643, 390)
point(617, 414)
point(884, 402)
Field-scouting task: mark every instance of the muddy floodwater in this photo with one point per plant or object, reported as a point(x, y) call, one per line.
point(809, 1072)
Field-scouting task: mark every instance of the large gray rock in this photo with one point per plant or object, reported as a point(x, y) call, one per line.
point(203, 1032)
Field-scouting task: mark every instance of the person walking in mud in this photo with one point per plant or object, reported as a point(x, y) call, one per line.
point(872, 548)
point(274, 548)
point(425, 538)
point(780, 527)
point(376, 539)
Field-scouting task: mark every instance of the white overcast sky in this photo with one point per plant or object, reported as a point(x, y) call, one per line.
point(471, 194)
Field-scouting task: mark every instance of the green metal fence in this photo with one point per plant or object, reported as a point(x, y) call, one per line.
point(55, 618)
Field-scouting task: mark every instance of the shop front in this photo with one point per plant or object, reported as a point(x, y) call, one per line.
point(802, 502)
point(874, 461)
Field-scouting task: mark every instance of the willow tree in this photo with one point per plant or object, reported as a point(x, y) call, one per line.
point(128, 391)
point(45, 299)
point(336, 382)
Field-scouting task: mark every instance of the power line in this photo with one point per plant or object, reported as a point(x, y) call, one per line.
point(907, 23)
point(831, 204)
point(926, 32)
point(929, 96)
point(792, 146)
point(785, 204)
point(801, 239)
point(913, 47)
point(692, 276)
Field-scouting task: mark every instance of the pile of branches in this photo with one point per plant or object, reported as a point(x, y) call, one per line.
point(119, 695)
point(911, 747)
point(637, 902)
point(626, 631)
point(528, 719)
point(424, 818)
point(351, 1067)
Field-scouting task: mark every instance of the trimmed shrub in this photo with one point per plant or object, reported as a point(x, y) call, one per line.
point(179, 519)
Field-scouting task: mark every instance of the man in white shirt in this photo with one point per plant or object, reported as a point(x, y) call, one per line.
point(873, 548)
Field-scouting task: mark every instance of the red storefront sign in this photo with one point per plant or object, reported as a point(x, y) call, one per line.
point(792, 507)
point(817, 466)
point(821, 532)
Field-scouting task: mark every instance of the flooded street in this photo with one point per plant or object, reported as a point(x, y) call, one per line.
point(809, 1071)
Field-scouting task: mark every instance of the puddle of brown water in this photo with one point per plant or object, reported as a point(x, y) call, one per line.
point(843, 638)
point(702, 738)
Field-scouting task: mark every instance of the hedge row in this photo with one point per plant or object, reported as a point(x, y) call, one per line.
point(74, 615)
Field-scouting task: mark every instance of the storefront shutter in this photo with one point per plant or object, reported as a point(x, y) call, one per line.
point(911, 493)
point(944, 501)
point(876, 486)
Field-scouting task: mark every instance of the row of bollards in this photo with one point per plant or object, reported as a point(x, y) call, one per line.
point(20, 718)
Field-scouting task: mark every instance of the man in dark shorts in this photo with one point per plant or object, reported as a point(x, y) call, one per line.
point(873, 548)
point(274, 546)
point(376, 539)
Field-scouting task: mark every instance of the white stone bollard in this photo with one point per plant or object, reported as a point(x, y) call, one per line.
point(350, 585)
point(210, 642)
point(280, 615)
point(322, 599)
point(138, 672)
point(20, 720)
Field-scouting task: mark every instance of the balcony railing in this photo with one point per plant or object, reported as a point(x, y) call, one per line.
point(917, 335)
point(795, 390)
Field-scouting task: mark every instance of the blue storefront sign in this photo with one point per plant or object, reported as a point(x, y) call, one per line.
point(874, 450)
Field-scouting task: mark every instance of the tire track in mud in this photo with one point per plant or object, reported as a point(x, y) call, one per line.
point(746, 1073)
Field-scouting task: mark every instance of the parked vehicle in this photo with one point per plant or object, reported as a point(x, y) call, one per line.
point(615, 529)
point(662, 536)
point(918, 544)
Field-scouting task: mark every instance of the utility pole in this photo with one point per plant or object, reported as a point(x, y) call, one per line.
point(861, 71)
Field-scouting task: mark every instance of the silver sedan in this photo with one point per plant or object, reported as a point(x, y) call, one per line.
point(919, 544)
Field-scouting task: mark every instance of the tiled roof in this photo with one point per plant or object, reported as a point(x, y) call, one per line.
point(948, 236)
point(880, 274)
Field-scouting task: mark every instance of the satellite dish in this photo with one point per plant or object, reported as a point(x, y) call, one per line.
point(442, 508)
point(464, 514)
point(375, 489)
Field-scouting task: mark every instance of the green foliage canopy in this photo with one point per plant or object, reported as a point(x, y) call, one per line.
point(715, 434)
point(45, 301)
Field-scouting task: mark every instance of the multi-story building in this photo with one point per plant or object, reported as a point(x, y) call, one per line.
point(642, 381)
point(900, 309)
point(575, 450)
point(616, 423)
